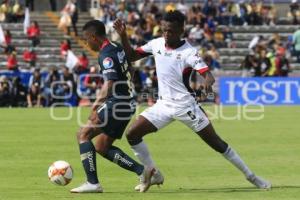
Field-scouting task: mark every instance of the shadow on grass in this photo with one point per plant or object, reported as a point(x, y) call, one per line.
point(215, 190)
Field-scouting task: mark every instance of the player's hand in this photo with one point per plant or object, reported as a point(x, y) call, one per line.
point(120, 27)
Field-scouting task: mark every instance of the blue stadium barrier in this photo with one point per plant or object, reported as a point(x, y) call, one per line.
point(259, 91)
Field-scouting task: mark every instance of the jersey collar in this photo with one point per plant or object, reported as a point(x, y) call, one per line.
point(104, 44)
point(170, 48)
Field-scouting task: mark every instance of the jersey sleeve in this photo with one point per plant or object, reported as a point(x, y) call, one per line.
point(146, 49)
point(196, 62)
point(109, 68)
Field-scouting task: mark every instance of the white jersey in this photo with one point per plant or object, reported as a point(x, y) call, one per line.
point(173, 68)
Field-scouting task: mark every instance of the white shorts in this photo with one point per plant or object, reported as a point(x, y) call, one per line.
point(164, 112)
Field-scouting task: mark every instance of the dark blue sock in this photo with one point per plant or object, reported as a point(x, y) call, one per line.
point(88, 159)
point(117, 156)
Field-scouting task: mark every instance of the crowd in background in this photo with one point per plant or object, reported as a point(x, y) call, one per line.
point(208, 28)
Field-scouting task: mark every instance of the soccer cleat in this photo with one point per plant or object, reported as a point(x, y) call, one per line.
point(145, 179)
point(88, 188)
point(156, 179)
point(259, 182)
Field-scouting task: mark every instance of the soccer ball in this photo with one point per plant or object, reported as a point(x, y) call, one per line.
point(60, 173)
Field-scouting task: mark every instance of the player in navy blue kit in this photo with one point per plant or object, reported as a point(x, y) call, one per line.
point(110, 114)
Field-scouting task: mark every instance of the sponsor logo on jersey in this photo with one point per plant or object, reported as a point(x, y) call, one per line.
point(108, 63)
point(178, 56)
point(159, 52)
point(109, 71)
point(168, 54)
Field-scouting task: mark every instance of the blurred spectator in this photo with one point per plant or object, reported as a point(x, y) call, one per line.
point(30, 4)
point(274, 41)
point(196, 35)
point(215, 56)
point(268, 14)
point(249, 64)
point(36, 77)
point(29, 56)
point(8, 37)
point(53, 87)
point(254, 17)
point(5, 92)
point(282, 63)
point(11, 13)
point(53, 5)
point(65, 45)
point(264, 64)
point(34, 96)
point(4, 9)
point(195, 15)
point(17, 14)
point(210, 9)
point(224, 17)
point(296, 42)
point(33, 33)
point(19, 93)
point(182, 7)
point(228, 38)
point(82, 65)
point(294, 11)
point(93, 82)
point(73, 12)
point(272, 58)
point(66, 16)
point(219, 39)
point(12, 63)
point(7, 45)
point(69, 87)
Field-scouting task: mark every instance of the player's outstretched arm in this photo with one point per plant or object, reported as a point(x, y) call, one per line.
point(132, 55)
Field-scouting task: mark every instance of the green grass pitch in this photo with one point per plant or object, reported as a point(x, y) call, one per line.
point(30, 141)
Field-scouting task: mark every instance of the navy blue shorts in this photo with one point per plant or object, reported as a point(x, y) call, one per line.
point(115, 115)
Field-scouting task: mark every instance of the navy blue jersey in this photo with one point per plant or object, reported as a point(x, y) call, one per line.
point(114, 66)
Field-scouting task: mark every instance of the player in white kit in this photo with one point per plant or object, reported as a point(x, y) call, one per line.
point(175, 60)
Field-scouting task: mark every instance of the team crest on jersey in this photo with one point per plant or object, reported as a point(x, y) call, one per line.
point(108, 63)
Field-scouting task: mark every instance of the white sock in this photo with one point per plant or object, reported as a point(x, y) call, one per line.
point(141, 151)
point(235, 159)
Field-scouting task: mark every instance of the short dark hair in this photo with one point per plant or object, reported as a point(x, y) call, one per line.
point(174, 16)
point(95, 26)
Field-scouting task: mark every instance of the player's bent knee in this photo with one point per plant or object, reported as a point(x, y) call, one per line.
point(132, 135)
point(102, 150)
point(82, 135)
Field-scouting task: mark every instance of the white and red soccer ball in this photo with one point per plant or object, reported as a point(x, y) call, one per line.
point(60, 173)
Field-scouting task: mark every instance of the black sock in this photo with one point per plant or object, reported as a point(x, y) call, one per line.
point(88, 159)
point(116, 155)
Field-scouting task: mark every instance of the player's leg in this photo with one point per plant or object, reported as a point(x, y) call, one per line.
point(88, 156)
point(209, 135)
point(195, 118)
point(135, 134)
point(104, 146)
point(149, 121)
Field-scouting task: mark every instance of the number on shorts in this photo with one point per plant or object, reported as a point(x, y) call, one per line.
point(191, 114)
